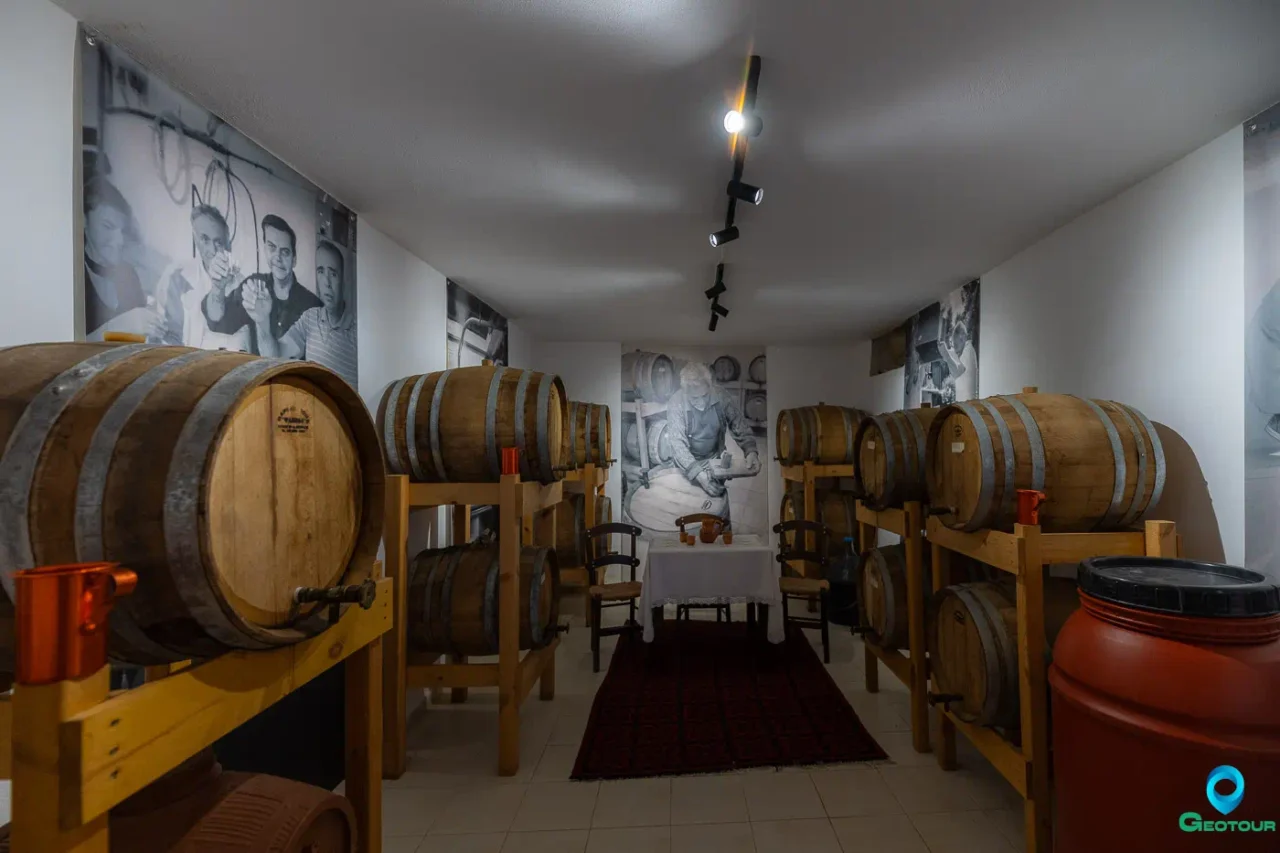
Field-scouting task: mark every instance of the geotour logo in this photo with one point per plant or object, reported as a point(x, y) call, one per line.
point(1225, 804)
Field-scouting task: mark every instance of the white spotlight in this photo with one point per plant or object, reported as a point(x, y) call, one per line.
point(734, 121)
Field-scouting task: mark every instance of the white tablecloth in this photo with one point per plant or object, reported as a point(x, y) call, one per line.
point(745, 571)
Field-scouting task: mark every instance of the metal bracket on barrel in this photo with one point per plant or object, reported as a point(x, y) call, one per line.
point(944, 699)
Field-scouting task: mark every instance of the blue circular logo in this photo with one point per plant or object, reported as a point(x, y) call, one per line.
point(1225, 803)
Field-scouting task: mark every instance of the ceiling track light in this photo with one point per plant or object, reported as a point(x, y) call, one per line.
point(728, 235)
point(718, 288)
point(745, 192)
point(715, 318)
point(717, 308)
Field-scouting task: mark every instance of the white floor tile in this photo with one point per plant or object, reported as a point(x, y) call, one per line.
point(961, 832)
point(713, 838)
point(556, 805)
point(633, 802)
point(564, 841)
point(648, 839)
point(781, 796)
point(708, 799)
point(488, 842)
point(848, 793)
point(878, 834)
point(921, 790)
point(404, 844)
point(488, 809)
point(557, 763)
point(408, 812)
point(791, 836)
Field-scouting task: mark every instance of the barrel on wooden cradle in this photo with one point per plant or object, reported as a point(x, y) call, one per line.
point(453, 599)
point(889, 468)
point(590, 434)
point(973, 646)
point(726, 369)
point(571, 527)
point(659, 446)
point(835, 510)
point(884, 594)
point(226, 481)
point(668, 496)
point(451, 426)
point(649, 376)
point(1100, 463)
point(822, 434)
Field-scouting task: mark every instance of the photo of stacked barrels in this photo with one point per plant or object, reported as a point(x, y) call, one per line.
point(821, 434)
point(590, 434)
point(649, 376)
point(225, 481)
point(889, 466)
point(659, 446)
point(1099, 463)
point(451, 426)
point(453, 599)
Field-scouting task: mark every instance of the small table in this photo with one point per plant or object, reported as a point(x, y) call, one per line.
point(744, 571)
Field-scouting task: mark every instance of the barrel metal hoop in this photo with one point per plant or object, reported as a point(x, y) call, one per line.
point(602, 435)
point(1158, 453)
point(446, 597)
point(848, 434)
point(389, 427)
point(917, 430)
point(981, 517)
point(522, 390)
point(92, 485)
point(21, 455)
point(790, 458)
point(411, 430)
point(891, 478)
point(183, 491)
point(573, 434)
point(489, 605)
point(813, 439)
point(578, 526)
point(546, 473)
point(429, 613)
point(977, 607)
point(1117, 453)
point(586, 439)
point(890, 602)
point(491, 423)
point(1010, 466)
point(433, 427)
point(1034, 439)
point(1135, 503)
point(537, 632)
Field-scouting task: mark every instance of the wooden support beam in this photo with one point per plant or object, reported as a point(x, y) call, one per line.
point(532, 667)
point(895, 660)
point(810, 514)
point(1034, 695)
point(986, 546)
point(945, 739)
point(1161, 539)
point(535, 497)
point(395, 538)
point(509, 626)
point(441, 676)
point(917, 678)
point(363, 729)
point(1006, 758)
point(892, 520)
point(446, 494)
point(1074, 547)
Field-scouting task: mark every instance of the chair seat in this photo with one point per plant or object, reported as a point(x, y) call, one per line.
point(803, 586)
point(617, 591)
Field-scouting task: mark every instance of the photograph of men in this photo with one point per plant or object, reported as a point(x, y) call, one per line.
point(699, 415)
point(267, 303)
point(187, 283)
point(326, 335)
point(942, 351)
point(114, 297)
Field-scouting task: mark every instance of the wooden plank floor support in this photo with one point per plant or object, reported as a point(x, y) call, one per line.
point(1024, 554)
point(395, 540)
point(84, 749)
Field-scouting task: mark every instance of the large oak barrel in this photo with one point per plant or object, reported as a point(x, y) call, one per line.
point(835, 510)
point(649, 375)
point(659, 446)
point(451, 426)
point(821, 433)
point(884, 594)
point(571, 527)
point(590, 434)
point(1099, 463)
point(756, 372)
point(668, 496)
point(453, 599)
point(726, 369)
point(890, 463)
point(973, 649)
point(226, 481)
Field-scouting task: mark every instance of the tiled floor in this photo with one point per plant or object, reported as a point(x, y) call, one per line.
point(452, 801)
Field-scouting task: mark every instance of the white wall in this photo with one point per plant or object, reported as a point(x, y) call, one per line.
point(1141, 300)
point(519, 346)
point(38, 150)
point(591, 373)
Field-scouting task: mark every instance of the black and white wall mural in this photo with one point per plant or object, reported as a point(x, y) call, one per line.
point(942, 350)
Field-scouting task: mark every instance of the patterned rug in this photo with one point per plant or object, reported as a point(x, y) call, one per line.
point(705, 698)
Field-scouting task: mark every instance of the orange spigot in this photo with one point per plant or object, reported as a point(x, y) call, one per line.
point(61, 614)
point(1029, 501)
point(510, 460)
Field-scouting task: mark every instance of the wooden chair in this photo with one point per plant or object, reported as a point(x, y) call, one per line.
point(624, 593)
point(805, 589)
point(682, 610)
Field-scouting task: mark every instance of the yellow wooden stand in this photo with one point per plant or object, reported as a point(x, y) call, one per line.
point(78, 750)
point(808, 474)
point(588, 480)
point(1023, 554)
point(912, 668)
point(512, 675)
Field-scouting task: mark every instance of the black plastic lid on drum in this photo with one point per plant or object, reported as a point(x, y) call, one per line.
point(1179, 587)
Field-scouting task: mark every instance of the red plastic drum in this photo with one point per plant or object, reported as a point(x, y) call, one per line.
point(1166, 710)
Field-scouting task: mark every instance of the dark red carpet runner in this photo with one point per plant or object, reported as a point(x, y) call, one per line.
point(703, 698)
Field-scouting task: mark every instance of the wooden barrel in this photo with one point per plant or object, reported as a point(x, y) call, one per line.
point(756, 407)
point(226, 481)
point(590, 434)
point(451, 426)
point(669, 496)
point(889, 466)
point(884, 594)
point(571, 528)
point(1100, 463)
point(821, 433)
point(659, 446)
point(726, 368)
point(453, 599)
point(973, 651)
point(835, 510)
point(649, 375)
point(756, 371)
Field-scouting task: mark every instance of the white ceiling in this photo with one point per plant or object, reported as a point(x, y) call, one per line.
point(565, 160)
